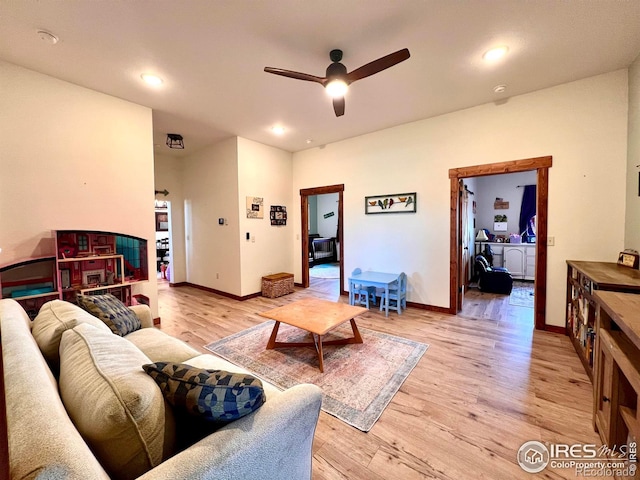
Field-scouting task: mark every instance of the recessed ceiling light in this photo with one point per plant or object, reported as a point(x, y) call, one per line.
point(309, 140)
point(495, 53)
point(48, 37)
point(499, 88)
point(278, 130)
point(151, 79)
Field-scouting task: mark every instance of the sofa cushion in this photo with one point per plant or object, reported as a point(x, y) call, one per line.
point(54, 318)
point(115, 314)
point(158, 346)
point(214, 395)
point(118, 409)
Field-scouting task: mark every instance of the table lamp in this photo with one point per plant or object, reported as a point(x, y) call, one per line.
point(482, 236)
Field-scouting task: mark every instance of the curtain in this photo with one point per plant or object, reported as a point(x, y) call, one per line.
point(528, 210)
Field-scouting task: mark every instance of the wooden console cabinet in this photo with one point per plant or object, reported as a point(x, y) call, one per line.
point(583, 280)
point(617, 368)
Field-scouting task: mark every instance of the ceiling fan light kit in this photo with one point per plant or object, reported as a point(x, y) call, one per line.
point(336, 80)
point(336, 88)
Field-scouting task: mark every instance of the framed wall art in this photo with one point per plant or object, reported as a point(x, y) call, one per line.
point(255, 207)
point(392, 203)
point(278, 215)
point(162, 222)
point(629, 258)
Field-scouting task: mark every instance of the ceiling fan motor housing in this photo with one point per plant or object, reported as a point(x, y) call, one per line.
point(336, 70)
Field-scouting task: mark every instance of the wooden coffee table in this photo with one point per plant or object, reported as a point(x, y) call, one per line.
point(317, 317)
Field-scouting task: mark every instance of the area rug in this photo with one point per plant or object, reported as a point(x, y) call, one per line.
point(358, 382)
point(325, 270)
point(522, 295)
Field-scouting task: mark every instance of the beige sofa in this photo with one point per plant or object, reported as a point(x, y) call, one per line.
point(134, 427)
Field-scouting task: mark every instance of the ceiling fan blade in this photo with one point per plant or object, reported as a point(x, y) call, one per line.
point(338, 106)
point(378, 65)
point(296, 75)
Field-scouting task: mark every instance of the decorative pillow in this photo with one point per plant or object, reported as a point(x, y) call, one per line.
point(214, 395)
point(118, 317)
point(118, 410)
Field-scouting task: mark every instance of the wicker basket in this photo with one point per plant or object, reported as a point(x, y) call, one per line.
point(277, 285)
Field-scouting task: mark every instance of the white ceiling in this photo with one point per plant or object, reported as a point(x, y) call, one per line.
point(211, 55)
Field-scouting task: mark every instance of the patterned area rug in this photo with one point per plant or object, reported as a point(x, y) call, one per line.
point(522, 294)
point(358, 382)
point(325, 270)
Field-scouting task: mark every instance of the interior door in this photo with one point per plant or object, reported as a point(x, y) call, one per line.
point(464, 263)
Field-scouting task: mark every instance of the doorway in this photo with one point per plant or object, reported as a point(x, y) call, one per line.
point(163, 243)
point(541, 165)
point(305, 195)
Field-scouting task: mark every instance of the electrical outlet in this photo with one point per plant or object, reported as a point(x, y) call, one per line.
point(253, 239)
point(551, 241)
point(217, 276)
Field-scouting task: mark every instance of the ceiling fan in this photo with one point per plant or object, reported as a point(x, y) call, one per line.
point(337, 80)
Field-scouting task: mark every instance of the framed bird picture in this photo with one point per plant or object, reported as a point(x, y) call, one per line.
point(393, 203)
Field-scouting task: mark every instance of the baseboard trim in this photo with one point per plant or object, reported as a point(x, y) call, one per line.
point(219, 292)
point(179, 284)
point(431, 308)
point(555, 329)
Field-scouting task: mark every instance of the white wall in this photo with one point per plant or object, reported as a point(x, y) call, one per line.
point(506, 187)
point(265, 172)
point(168, 175)
point(72, 158)
point(582, 124)
point(327, 203)
point(632, 225)
point(313, 214)
point(210, 188)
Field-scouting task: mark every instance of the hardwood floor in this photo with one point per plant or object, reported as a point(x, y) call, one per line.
point(487, 384)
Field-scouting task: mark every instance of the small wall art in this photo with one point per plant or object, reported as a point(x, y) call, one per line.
point(255, 207)
point(162, 221)
point(278, 215)
point(393, 203)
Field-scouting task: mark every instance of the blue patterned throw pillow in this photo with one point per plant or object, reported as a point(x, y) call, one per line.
point(118, 317)
point(214, 395)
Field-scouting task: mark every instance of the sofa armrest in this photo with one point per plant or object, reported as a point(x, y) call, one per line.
point(273, 442)
point(143, 312)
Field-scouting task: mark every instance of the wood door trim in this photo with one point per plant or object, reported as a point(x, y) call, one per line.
point(541, 165)
point(305, 193)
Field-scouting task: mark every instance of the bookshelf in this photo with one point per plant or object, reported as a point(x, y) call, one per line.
point(584, 279)
point(617, 368)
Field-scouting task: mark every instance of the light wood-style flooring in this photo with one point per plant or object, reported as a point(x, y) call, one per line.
point(487, 384)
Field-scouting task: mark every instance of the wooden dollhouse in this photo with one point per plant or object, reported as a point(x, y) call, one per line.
point(85, 262)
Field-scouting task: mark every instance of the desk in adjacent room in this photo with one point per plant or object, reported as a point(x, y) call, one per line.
point(373, 279)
